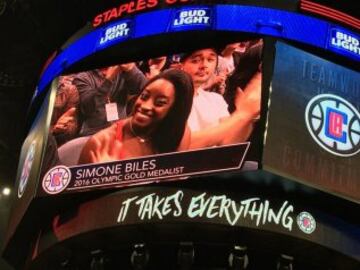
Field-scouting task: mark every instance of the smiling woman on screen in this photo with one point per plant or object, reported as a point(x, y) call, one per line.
point(157, 124)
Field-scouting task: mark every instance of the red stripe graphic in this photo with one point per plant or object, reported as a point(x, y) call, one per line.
point(330, 13)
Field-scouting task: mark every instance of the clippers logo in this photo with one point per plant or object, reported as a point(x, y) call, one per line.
point(306, 222)
point(334, 124)
point(115, 32)
point(335, 120)
point(25, 173)
point(192, 17)
point(56, 180)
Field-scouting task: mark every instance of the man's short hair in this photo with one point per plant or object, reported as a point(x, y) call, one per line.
point(184, 56)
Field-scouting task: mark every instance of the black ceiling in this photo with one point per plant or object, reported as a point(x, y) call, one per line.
point(30, 31)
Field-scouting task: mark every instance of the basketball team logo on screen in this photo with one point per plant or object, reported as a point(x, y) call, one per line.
point(25, 173)
point(334, 124)
point(306, 222)
point(56, 180)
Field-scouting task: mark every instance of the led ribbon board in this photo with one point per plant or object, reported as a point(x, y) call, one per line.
point(169, 206)
point(258, 20)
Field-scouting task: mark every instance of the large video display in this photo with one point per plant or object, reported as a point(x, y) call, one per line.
point(314, 122)
point(162, 118)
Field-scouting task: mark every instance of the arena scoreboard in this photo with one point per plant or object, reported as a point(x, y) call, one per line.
point(285, 148)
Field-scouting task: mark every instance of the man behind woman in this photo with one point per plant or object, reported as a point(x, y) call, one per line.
point(210, 120)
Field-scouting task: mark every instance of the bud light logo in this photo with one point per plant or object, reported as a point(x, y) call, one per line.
point(334, 124)
point(193, 18)
point(26, 169)
point(115, 32)
point(345, 42)
point(56, 180)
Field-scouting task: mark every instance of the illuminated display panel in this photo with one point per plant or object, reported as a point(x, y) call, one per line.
point(177, 20)
point(162, 118)
point(259, 20)
point(314, 122)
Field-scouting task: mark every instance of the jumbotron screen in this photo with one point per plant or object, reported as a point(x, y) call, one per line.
point(162, 118)
point(170, 99)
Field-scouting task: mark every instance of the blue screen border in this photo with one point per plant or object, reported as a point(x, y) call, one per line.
point(247, 19)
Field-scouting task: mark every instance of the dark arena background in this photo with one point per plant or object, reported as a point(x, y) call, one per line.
point(180, 134)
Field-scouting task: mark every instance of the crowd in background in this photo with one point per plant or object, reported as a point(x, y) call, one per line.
point(90, 102)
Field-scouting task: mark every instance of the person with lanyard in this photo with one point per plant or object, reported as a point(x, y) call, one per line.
point(104, 94)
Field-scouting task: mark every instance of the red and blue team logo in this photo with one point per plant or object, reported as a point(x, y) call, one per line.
point(306, 222)
point(334, 124)
point(56, 180)
point(26, 169)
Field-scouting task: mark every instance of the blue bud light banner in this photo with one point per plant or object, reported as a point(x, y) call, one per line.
point(192, 18)
point(314, 122)
point(344, 42)
point(115, 32)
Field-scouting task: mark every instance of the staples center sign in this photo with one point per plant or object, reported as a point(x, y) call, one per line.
point(132, 7)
